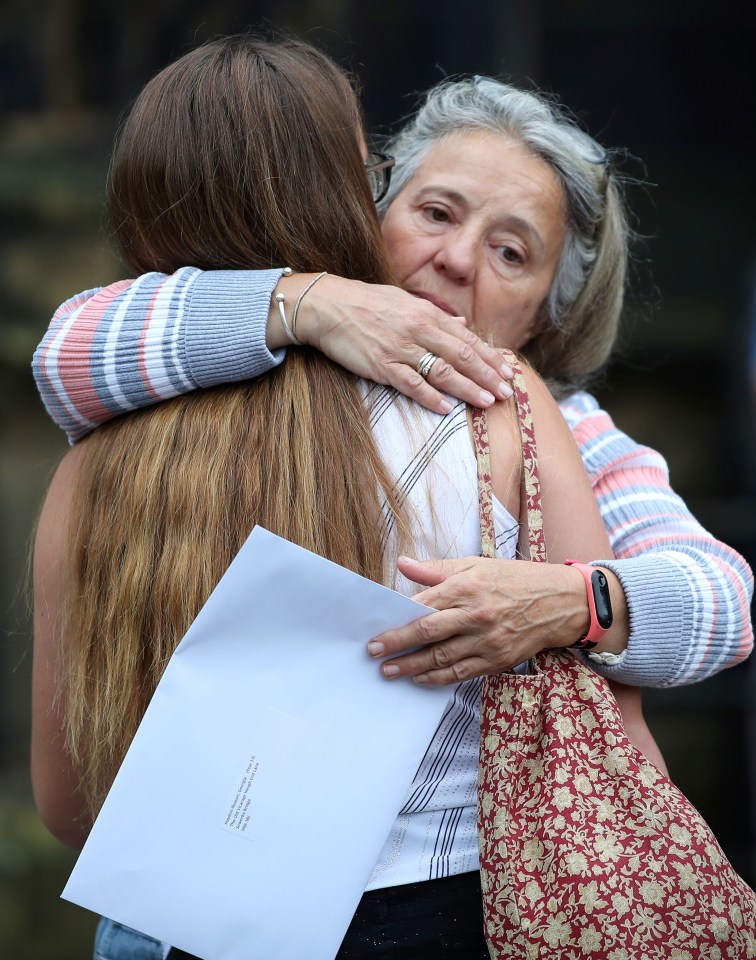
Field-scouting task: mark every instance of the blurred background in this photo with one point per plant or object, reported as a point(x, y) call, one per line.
point(672, 82)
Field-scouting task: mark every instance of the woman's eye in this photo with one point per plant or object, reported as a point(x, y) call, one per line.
point(436, 214)
point(510, 254)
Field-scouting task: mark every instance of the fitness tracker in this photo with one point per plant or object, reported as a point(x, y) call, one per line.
point(599, 604)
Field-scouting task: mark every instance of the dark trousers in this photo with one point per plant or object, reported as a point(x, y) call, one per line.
point(437, 920)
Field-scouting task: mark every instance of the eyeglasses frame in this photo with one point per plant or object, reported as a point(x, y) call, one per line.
point(380, 162)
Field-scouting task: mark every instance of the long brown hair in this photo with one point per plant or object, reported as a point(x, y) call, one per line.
point(243, 153)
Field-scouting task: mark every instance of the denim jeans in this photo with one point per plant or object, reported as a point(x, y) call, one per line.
point(114, 941)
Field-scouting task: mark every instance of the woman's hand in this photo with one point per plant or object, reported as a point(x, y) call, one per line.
point(492, 615)
point(381, 332)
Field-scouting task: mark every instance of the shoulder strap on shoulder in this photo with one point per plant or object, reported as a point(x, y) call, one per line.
point(530, 512)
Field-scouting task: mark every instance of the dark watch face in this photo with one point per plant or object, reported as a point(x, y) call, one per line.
point(601, 599)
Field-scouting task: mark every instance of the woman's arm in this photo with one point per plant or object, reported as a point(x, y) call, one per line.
point(134, 343)
point(116, 349)
point(688, 594)
point(681, 598)
point(54, 780)
point(573, 529)
point(493, 614)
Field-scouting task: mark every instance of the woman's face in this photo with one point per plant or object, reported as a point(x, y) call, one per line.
point(478, 231)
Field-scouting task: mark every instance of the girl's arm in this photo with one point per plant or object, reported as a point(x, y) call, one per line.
point(631, 707)
point(54, 780)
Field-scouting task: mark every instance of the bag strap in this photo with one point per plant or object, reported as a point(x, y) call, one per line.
point(530, 484)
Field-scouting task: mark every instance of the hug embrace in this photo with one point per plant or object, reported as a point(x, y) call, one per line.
point(290, 355)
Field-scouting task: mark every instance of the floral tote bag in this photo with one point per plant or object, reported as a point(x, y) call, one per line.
point(586, 849)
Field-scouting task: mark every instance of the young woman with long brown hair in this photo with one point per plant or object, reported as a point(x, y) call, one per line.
point(246, 154)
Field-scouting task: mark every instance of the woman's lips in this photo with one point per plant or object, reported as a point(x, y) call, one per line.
point(436, 301)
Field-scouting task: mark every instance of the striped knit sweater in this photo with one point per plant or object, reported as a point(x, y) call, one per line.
point(118, 348)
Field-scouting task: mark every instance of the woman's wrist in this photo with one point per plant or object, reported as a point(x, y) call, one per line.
point(577, 620)
point(616, 637)
point(291, 287)
point(380, 332)
point(322, 307)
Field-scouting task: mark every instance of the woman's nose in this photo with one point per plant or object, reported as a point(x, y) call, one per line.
point(456, 256)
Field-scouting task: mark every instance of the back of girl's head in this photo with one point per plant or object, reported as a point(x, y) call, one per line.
point(243, 153)
point(580, 317)
point(233, 157)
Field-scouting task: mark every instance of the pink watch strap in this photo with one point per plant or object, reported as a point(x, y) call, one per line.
point(595, 631)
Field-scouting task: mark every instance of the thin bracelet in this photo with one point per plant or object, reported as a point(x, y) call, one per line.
point(299, 300)
point(280, 300)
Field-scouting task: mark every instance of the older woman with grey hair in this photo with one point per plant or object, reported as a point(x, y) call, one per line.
point(578, 320)
point(500, 209)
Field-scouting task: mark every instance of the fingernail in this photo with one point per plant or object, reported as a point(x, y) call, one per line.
point(461, 320)
point(487, 398)
point(390, 670)
point(375, 648)
point(507, 371)
point(421, 678)
point(444, 407)
point(505, 391)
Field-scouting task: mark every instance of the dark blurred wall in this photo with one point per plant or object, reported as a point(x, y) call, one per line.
point(671, 82)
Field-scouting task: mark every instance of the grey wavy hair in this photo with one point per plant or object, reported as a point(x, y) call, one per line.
point(579, 320)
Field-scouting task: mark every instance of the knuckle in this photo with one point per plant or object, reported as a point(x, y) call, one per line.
point(461, 671)
point(466, 354)
point(442, 371)
point(411, 381)
point(418, 325)
point(470, 338)
point(424, 630)
point(441, 657)
point(482, 615)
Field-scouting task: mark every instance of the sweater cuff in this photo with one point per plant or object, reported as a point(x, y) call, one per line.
point(661, 615)
point(224, 337)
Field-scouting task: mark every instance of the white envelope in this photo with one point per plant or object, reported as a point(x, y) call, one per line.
point(269, 767)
